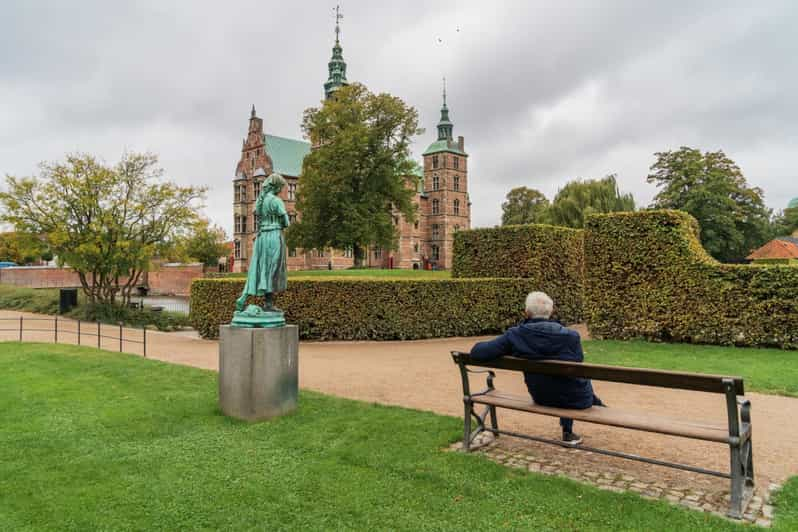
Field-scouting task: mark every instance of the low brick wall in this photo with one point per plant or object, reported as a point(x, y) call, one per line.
point(166, 280)
point(174, 279)
point(39, 277)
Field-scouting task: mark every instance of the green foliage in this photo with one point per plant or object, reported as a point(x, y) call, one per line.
point(40, 300)
point(579, 199)
point(102, 221)
point(785, 223)
point(551, 257)
point(45, 301)
point(360, 309)
point(364, 273)
point(203, 243)
point(711, 187)
point(115, 314)
point(649, 277)
point(525, 206)
point(104, 441)
point(355, 180)
point(22, 248)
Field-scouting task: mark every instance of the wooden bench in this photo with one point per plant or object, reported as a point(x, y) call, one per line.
point(734, 432)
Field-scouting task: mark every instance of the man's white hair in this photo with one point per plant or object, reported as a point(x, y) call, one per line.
point(539, 305)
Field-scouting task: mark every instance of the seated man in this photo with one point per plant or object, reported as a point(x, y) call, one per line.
point(539, 338)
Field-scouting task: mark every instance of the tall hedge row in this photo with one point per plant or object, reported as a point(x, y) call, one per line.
point(648, 276)
point(366, 309)
point(552, 257)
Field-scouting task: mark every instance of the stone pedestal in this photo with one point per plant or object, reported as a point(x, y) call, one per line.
point(258, 371)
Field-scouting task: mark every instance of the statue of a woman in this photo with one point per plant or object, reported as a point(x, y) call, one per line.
point(267, 269)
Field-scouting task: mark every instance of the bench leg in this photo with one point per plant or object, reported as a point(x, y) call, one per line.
point(742, 477)
point(467, 426)
point(494, 422)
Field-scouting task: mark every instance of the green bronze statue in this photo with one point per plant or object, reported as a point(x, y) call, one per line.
point(267, 269)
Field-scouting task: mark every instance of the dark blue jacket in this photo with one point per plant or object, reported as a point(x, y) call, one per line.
point(539, 339)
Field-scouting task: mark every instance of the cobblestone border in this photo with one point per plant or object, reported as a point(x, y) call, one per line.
point(759, 510)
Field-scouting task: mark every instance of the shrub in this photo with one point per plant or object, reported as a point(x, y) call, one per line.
point(552, 257)
point(41, 300)
point(649, 277)
point(376, 309)
point(114, 314)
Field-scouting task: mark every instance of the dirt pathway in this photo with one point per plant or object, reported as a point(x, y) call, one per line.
point(421, 375)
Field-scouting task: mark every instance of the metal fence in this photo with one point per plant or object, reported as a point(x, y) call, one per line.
point(81, 330)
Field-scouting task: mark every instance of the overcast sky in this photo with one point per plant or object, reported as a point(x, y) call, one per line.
point(543, 92)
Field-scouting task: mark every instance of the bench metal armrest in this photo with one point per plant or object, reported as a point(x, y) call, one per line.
point(489, 380)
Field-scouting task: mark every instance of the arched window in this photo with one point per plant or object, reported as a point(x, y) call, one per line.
point(436, 206)
point(436, 253)
point(456, 207)
point(436, 182)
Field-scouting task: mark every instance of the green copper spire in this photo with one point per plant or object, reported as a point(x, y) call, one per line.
point(337, 66)
point(444, 125)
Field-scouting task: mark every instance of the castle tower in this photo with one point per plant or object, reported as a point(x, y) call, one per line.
point(447, 208)
point(337, 66)
point(253, 167)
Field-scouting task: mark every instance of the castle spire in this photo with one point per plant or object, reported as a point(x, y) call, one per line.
point(445, 126)
point(252, 113)
point(337, 66)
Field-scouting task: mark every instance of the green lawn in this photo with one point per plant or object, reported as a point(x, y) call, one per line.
point(95, 440)
point(764, 370)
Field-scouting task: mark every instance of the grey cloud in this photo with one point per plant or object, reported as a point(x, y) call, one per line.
point(543, 92)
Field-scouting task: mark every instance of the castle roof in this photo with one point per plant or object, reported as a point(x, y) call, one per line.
point(287, 154)
point(793, 203)
point(444, 145)
point(785, 247)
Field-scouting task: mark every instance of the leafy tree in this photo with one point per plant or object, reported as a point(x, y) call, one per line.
point(103, 221)
point(711, 187)
point(525, 206)
point(786, 222)
point(206, 243)
point(578, 199)
point(355, 180)
point(22, 248)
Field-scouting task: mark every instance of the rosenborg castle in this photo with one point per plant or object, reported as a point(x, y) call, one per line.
point(441, 194)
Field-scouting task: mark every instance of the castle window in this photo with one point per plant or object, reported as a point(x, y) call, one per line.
point(415, 224)
point(241, 224)
point(291, 191)
point(436, 232)
point(237, 249)
point(456, 207)
point(240, 193)
point(256, 188)
point(348, 253)
point(436, 253)
point(292, 252)
point(257, 223)
point(436, 206)
point(415, 247)
point(396, 220)
point(456, 183)
point(456, 228)
point(436, 183)
point(320, 253)
point(378, 253)
point(456, 162)
point(292, 217)
point(434, 161)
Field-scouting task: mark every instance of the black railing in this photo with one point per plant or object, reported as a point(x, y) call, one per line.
point(83, 329)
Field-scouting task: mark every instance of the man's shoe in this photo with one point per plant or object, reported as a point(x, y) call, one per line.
point(571, 438)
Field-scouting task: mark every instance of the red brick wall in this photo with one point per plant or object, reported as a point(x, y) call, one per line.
point(174, 280)
point(39, 277)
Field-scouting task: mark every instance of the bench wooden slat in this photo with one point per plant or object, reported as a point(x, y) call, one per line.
point(645, 377)
point(612, 416)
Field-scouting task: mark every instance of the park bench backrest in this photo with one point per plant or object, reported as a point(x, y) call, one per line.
point(646, 377)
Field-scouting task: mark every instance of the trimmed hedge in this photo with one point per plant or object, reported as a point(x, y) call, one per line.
point(369, 309)
point(648, 276)
point(553, 257)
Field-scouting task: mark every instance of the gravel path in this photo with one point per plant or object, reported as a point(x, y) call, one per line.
point(421, 375)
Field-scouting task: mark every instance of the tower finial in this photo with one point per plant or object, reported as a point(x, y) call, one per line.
point(444, 91)
point(338, 17)
point(252, 114)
